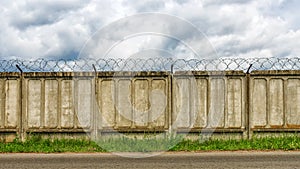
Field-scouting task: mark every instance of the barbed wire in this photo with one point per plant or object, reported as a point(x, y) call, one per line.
point(150, 64)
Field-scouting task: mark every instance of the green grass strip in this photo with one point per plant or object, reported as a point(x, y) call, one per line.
point(262, 144)
point(38, 145)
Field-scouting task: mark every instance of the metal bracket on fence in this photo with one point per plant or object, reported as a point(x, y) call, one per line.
point(248, 70)
point(18, 67)
point(94, 67)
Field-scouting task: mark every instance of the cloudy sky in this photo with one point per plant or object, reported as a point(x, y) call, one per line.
point(60, 29)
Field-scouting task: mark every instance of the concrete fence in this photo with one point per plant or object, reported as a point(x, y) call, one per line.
point(210, 101)
point(10, 107)
point(104, 102)
point(274, 101)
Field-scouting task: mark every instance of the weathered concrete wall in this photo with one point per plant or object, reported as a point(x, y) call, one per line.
point(133, 101)
point(10, 113)
point(275, 100)
point(102, 102)
point(9, 101)
point(209, 100)
point(57, 101)
point(90, 102)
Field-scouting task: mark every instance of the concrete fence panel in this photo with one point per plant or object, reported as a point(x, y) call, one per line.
point(129, 101)
point(9, 101)
point(57, 102)
point(209, 100)
point(274, 100)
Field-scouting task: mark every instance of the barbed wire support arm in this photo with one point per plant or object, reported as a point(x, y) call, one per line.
point(248, 70)
point(19, 68)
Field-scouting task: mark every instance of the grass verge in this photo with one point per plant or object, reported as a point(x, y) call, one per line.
point(39, 145)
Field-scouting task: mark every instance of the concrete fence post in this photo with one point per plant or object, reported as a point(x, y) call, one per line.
point(95, 120)
point(171, 79)
point(248, 106)
point(21, 131)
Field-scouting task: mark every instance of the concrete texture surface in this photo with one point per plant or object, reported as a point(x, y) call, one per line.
point(227, 102)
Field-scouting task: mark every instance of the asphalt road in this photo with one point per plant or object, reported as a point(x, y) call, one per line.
point(210, 160)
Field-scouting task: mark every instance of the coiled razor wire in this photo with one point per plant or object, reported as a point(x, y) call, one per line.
point(150, 64)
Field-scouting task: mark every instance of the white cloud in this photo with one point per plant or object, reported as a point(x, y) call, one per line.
point(236, 28)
